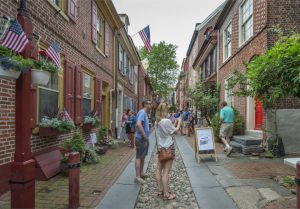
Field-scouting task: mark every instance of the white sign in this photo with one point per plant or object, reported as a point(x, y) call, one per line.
point(205, 139)
point(93, 138)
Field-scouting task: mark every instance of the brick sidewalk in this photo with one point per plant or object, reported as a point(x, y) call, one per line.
point(95, 180)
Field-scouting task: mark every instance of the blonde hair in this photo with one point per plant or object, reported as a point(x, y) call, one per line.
point(161, 111)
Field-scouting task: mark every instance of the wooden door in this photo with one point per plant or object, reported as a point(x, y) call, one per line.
point(259, 115)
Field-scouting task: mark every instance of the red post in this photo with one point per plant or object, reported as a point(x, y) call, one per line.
point(297, 179)
point(23, 168)
point(74, 170)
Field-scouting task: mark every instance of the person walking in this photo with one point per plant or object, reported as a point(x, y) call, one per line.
point(142, 141)
point(132, 122)
point(164, 136)
point(226, 122)
point(186, 116)
point(123, 134)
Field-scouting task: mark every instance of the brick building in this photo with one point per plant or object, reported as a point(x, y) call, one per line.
point(145, 90)
point(88, 33)
point(242, 30)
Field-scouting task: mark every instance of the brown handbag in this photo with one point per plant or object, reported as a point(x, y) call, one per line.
point(164, 155)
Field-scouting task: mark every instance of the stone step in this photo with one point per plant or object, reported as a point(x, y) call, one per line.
point(254, 133)
point(247, 140)
point(246, 150)
point(238, 148)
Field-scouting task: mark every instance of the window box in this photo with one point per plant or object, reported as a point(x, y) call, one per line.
point(88, 126)
point(40, 77)
point(48, 131)
point(9, 73)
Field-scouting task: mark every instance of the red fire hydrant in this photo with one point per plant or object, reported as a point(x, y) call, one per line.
point(74, 170)
point(297, 180)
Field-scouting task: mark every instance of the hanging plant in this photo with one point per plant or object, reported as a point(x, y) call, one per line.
point(44, 64)
point(10, 60)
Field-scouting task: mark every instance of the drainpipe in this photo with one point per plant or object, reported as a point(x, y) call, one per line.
point(115, 84)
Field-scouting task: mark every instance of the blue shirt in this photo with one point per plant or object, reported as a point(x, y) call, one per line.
point(133, 121)
point(143, 117)
point(176, 115)
point(227, 114)
point(186, 116)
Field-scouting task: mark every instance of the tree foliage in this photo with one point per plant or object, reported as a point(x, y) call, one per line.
point(163, 67)
point(273, 75)
point(206, 99)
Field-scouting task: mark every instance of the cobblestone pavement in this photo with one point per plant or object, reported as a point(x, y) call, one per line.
point(179, 184)
point(95, 180)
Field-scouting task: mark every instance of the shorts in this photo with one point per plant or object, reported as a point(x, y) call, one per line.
point(226, 130)
point(186, 124)
point(141, 148)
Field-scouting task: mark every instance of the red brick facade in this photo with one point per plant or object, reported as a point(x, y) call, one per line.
point(144, 87)
point(77, 48)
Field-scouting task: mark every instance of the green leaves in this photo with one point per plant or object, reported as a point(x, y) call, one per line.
point(163, 68)
point(274, 75)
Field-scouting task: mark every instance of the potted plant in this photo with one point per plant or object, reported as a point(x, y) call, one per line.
point(91, 121)
point(42, 70)
point(53, 126)
point(12, 64)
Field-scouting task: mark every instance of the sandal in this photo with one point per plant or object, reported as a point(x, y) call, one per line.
point(160, 194)
point(171, 196)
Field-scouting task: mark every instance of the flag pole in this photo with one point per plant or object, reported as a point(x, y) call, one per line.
point(139, 31)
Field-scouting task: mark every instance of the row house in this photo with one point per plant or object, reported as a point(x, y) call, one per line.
point(145, 90)
point(242, 30)
point(97, 57)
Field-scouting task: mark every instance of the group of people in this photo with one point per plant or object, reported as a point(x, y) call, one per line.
point(188, 117)
point(166, 125)
point(128, 122)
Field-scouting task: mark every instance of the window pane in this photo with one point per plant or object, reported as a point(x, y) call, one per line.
point(48, 103)
point(86, 105)
point(87, 81)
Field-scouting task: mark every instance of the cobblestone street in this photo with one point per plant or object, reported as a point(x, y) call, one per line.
point(179, 184)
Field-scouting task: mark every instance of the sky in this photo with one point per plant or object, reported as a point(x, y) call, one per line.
point(172, 21)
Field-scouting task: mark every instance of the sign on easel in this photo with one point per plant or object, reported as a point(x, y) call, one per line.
point(205, 143)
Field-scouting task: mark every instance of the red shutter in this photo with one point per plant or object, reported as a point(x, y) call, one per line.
point(78, 93)
point(97, 97)
point(33, 107)
point(72, 9)
point(94, 22)
point(69, 88)
point(107, 37)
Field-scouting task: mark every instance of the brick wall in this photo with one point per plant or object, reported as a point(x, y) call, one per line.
point(77, 48)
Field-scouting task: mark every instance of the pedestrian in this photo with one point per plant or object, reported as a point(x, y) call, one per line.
point(186, 116)
point(164, 136)
point(132, 122)
point(226, 122)
point(142, 141)
point(123, 135)
point(191, 124)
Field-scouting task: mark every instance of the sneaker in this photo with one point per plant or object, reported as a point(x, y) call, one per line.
point(139, 180)
point(229, 150)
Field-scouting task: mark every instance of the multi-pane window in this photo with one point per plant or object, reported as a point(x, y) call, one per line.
point(246, 20)
point(227, 42)
point(87, 94)
point(125, 68)
point(229, 93)
point(62, 4)
point(121, 59)
point(100, 31)
point(130, 73)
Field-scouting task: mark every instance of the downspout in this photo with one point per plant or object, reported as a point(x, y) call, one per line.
point(115, 85)
point(218, 66)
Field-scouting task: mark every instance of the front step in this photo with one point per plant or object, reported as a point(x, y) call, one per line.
point(247, 140)
point(246, 150)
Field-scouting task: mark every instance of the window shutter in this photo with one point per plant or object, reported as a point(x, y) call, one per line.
point(125, 63)
point(33, 107)
point(72, 10)
point(69, 88)
point(94, 22)
point(78, 92)
point(107, 38)
point(97, 95)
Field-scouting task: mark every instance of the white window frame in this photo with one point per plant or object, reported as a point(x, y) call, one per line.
point(228, 98)
point(226, 44)
point(121, 59)
point(242, 23)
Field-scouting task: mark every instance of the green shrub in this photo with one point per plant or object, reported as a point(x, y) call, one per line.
point(238, 127)
point(76, 144)
point(91, 156)
point(101, 134)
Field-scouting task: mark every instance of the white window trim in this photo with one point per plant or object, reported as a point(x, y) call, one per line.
point(226, 91)
point(241, 43)
point(226, 58)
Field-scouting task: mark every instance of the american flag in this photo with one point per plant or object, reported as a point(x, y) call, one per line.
point(53, 53)
point(15, 38)
point(145, 35)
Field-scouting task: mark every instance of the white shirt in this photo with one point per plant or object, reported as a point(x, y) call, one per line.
point(165, 129)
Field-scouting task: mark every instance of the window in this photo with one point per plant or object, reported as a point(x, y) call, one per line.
point(88, 95)
point(130, 73)
point(62, 4)
point(121, 57)
point(100, 31)
point(215, 59)
point(228, 93)
point(246, 21)
point(227, 42)
point(50, 96)
point(125, 67)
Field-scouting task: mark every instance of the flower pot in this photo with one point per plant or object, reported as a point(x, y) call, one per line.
point(49, 132)
point(40, 77)
point(88, 126)
point(9, 73)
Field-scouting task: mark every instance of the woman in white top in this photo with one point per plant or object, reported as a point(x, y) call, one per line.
point(165, 129)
